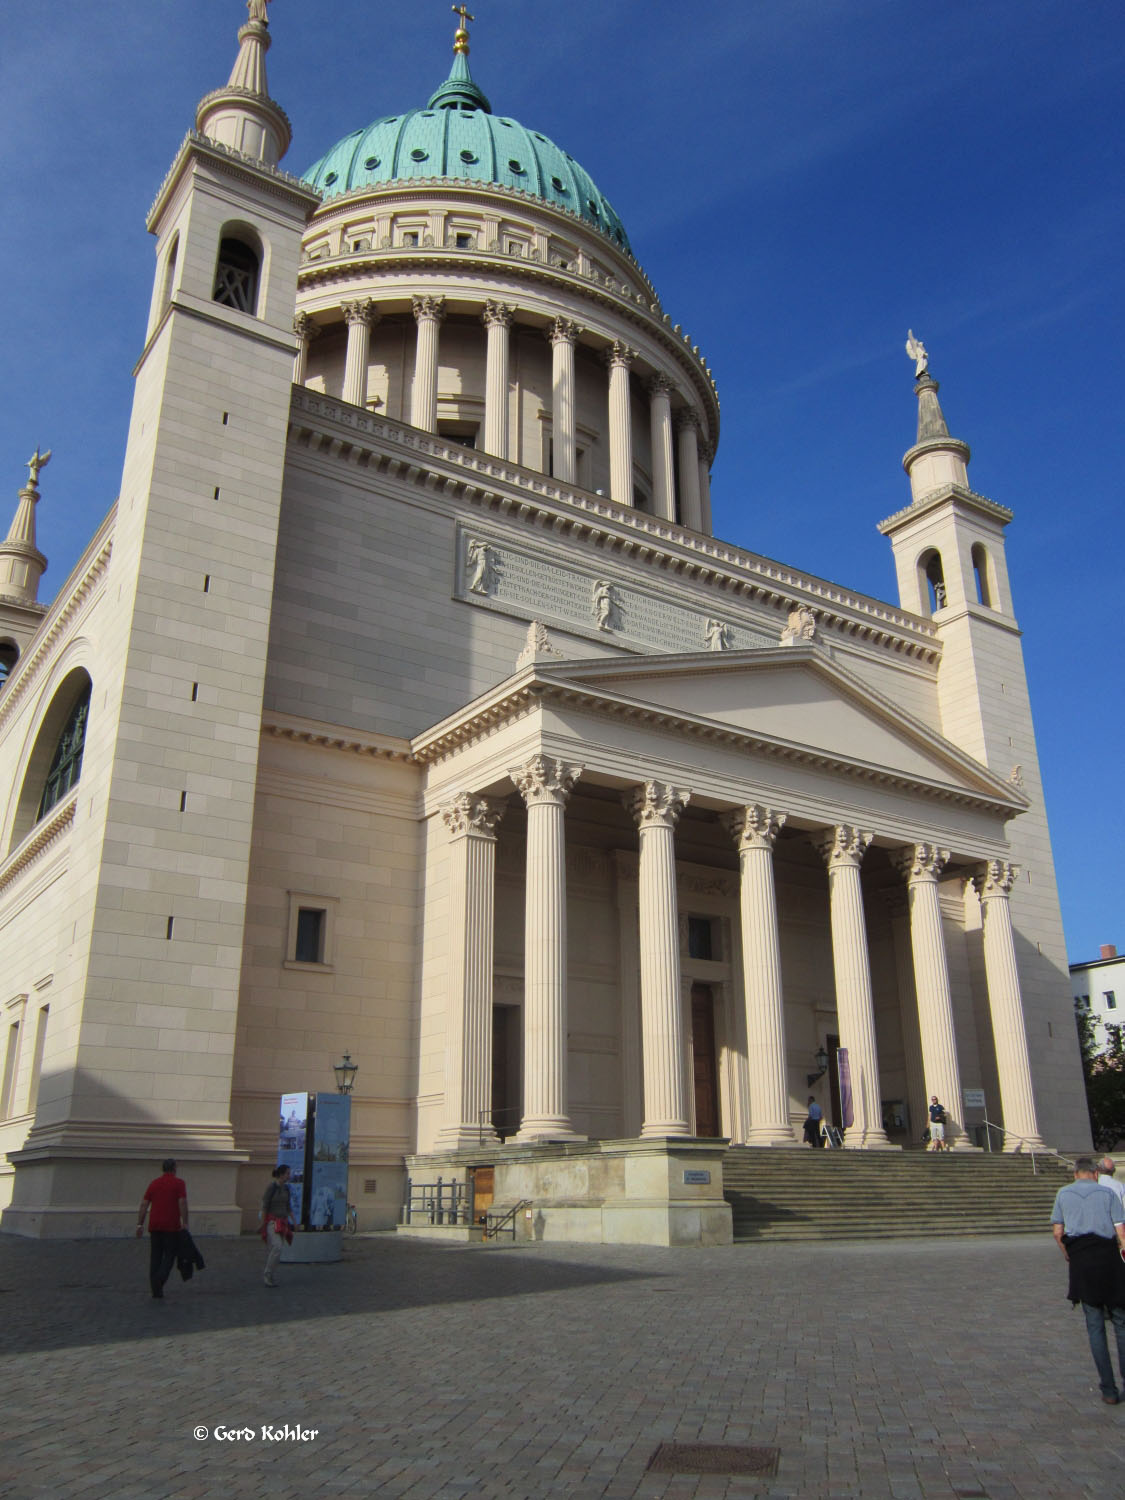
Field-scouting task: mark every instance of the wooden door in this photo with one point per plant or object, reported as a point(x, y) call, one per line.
point(704, 1061)
point(483, 1185)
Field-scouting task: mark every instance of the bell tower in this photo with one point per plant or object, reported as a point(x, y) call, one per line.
point(949, 557)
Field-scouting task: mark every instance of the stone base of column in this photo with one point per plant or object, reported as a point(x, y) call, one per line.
point(1014, 1144)
point(771, 1135)
point(465, 1138)
point(963, 1143)
point(871, 1140)
point(533, 1132)
point(664, 1129)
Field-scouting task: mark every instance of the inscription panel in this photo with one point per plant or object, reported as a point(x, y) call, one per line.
point(535, 589)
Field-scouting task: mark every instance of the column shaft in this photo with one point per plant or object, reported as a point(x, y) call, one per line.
point(663, 474)
point(545, 786)
point(754, 830)
point(429, 312)
point(562, 334)
point(468, 1060)
point(688, 453)
point(842, 850)
point(657, 809)
point(706, 456)
point(359, 316)
point(497, 318)
point(619, 358)
point(922, 865)
point(1021, 1127)
point(306, 330)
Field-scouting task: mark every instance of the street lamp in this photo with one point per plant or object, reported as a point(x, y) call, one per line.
point(345, 1072)
point(820, 1058)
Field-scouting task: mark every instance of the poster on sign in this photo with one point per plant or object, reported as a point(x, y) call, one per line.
point(328, 1171)
point(292, 1146)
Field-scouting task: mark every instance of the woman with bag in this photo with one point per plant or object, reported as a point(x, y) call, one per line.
point(275, 1220)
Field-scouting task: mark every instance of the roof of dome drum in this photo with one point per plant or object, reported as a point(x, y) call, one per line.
point(458, 136)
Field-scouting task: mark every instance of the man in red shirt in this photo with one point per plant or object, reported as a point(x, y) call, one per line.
point(166, 1197)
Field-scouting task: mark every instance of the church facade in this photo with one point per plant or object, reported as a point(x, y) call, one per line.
point(405, 704)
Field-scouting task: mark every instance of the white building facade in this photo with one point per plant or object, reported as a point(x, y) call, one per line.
point(405, 703)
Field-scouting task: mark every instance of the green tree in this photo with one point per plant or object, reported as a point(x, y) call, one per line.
point(1104, 1071)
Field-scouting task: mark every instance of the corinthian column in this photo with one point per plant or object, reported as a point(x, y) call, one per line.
point(360, 317)
point(657, 810)
point(545, 785)
point(920, 865)
point(754, 830)
point(561, 334)
point(306, 330)
point(472, 894)
point(842, 849)
point(428, 314)
point(497, 318)
point(994, 885)
point(687, 430)
point(619, 357)
point(660, 422)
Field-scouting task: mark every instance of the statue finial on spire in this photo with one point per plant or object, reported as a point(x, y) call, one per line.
point(917, 351)
point(258, 11)
point(461, 39)
point(35, 463)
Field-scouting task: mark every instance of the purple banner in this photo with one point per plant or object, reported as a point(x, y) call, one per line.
point(847, 1113)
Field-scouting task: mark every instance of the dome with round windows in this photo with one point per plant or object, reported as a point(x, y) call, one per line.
point(458, 137)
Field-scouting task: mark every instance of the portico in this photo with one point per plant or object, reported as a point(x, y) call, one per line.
point(664, 826)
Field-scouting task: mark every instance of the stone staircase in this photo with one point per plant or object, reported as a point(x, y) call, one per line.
point(785, 1195)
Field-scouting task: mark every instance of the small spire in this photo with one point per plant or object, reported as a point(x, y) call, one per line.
point(242, 115)
point(459, 91)
point(936, 458)
point(22, 565)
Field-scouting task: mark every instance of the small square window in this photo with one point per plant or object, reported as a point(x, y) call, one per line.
point(311, 926)
point(1110, 1000)
point(701, 938)
point(410, 238)
point(463, 241)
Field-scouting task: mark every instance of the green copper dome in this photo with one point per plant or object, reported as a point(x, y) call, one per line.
point(458, 136)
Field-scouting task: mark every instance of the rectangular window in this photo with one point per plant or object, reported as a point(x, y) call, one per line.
point(309, 948)
point(463, 241)
point(701, 938)
point(10, 1056)
point(311, 927)
point(1110, 1000)
point(37, 1058)
point(410, 238)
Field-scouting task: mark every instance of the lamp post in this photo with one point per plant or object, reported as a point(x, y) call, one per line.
point(345, 1072)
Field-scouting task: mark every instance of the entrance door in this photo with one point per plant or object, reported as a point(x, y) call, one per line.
point(704, 1060)
point(505, 1070)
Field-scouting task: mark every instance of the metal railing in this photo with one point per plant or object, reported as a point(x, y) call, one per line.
point(498, 1120)
point(1032, 1150)
point(504, 1223)
point(440, 1202)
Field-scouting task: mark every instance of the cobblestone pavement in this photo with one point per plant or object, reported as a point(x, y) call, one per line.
point(885, 1369)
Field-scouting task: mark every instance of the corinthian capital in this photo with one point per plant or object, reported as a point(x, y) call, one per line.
point(545, 780)
point(655, 804)
point(360, 312)
point(685, 418)
point(561, 331)
point(995, 878)
point(497, 314)
point(430, 309)
point(920, 864)
point(843, 845)
point(619, 356)
point(470, 814)
point(754, 827)
point(659, 385)
point(305, 328)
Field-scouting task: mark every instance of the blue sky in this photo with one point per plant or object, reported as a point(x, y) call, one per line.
point(802, 179)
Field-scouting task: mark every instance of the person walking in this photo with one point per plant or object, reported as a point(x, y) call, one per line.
point(275, 1220)
point(1106, 1169)
point(937, 1125)
point(1088, 1222)
point(166, 1207)
point(813, 1121)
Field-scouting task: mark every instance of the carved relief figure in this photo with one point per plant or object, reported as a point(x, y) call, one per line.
point(482, 569)
point(801, 625)
point(718, 636)
point(605, 605)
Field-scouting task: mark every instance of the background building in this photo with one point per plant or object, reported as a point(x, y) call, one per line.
point(405, 702)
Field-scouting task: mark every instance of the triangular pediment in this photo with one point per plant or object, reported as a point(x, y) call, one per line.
point(791, 696)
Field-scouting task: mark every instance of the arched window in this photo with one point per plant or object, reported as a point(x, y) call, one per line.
point(237, 273)
point(9, 655)
point(66, 763)
point(169, 281)
point(932, 579)
point(980, 573)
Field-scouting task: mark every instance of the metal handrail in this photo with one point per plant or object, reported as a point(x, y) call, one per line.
point(506, 1224)
point(446, 1201)
point(1033, 1150)
point(487, 1119)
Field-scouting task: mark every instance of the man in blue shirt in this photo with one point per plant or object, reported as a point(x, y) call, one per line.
point(1088, 1223)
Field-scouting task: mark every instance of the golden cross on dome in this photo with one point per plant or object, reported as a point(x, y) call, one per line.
point(461, 40)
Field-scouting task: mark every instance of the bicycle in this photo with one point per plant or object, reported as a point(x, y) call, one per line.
point(351, 1220)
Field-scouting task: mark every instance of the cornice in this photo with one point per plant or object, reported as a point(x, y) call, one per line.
point(325, 737)
point(249, 168)
point(324, 424)
point(88, 575)
point(947, 492)
point(40, 838)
